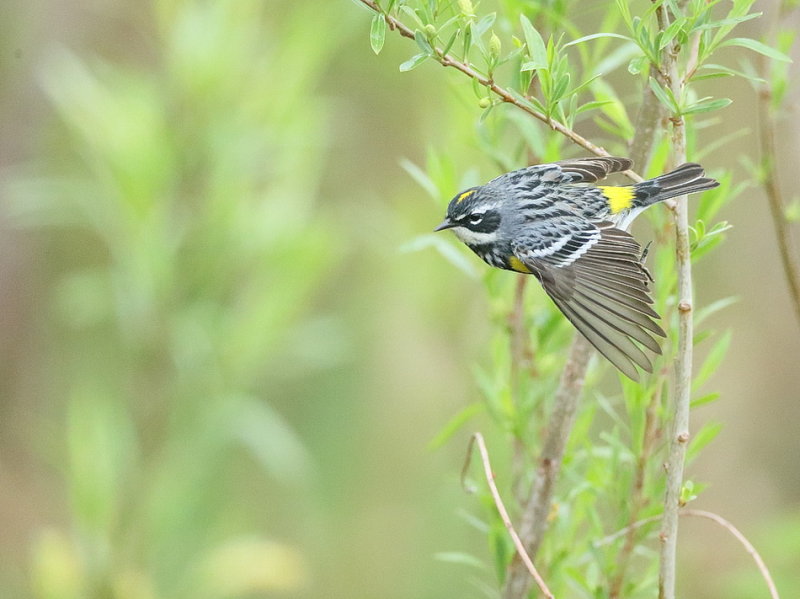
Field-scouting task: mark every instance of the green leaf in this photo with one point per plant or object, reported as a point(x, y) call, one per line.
point(413, 62)
point(713, 360)
point(671, 32)
point(703, 437)
point(706, 399)
point(421, 177)
point(707, 106)
point(455, 424)
point(413, 14)
point(592, 106)
point(423, 43)
point(595, 36)
point(377, 33)
point(483, 25)
point(536, 47)
point(450, 42)
point(445, 248)
point(757, 46)
point(459, 557)
point(638, 64)
point(664, 96)
point(713, 308)
point(613, 107)
point(792, 212)
point(725, 22)
point(617, 57)
point(723, 70)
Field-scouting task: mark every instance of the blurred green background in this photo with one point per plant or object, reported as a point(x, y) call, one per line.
point(221, 374)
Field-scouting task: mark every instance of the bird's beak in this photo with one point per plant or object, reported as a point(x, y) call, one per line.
point(445, 224)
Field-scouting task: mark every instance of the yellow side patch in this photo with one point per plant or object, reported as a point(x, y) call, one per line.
point(619, 198)
point(465, 195)
point(518, 265)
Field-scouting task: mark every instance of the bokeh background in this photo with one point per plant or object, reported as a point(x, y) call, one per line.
point(221, 369)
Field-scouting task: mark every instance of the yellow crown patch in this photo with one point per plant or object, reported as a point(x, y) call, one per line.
point(465, 195)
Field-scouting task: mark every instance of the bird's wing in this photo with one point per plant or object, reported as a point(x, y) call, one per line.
point(543, 176)
point(589, 170)
point(594, 274)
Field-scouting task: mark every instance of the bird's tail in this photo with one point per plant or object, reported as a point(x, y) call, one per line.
point(687, 178)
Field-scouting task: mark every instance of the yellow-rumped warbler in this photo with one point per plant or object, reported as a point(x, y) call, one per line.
point(548, 221)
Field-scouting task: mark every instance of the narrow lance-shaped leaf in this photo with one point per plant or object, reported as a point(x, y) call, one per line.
point(757, 46)
point(707, 106)
point(377, 33)
point(423, 43)
point(413, 62)
point(536, 47)
point(595, 36)
point(664, 96)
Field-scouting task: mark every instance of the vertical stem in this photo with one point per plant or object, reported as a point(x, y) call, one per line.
point(772, 189)
point(536, 511)
point(647, 125)
point(683, 365)
point(638, 499)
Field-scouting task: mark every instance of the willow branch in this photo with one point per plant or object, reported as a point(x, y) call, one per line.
point(683, 364)
point(448, 60)
point(477, 438)
point(772, 189)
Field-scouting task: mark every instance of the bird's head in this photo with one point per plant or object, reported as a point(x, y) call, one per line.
point(474, 216)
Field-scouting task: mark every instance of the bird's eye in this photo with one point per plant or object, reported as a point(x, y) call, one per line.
point(474, 219)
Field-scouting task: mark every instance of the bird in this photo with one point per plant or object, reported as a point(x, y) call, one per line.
point(551, 221)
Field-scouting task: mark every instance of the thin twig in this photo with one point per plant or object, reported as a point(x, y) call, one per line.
point(762, 567)
point(625, 531)
point(772, 189)
point(726, 524)
point(683, 364)
point(501, 509)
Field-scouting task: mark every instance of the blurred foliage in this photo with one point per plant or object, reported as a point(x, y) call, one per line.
point(191, 182)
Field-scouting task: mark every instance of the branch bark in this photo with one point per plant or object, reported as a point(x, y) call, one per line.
point(679, 438)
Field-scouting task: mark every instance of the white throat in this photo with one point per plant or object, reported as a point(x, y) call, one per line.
point(474, 238)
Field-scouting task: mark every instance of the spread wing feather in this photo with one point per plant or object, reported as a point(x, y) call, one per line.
point(589, 170)
point(541, 177)
point(601, 286)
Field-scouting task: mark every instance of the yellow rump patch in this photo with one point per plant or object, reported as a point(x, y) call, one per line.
point(518, 265)
point(465, 195)
point(619, 198)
